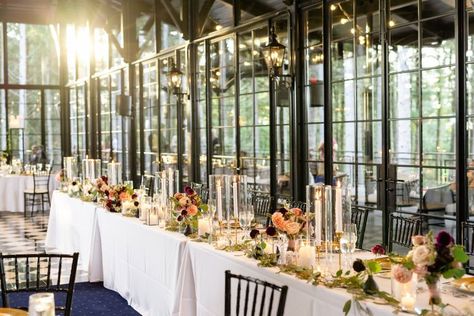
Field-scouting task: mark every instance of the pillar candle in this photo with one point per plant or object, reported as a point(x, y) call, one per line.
point(318, 218)
point(219, 200)
point(338, 207)
point(236, 200)
point(306, 256)
point(204, 226)
point(170, 182)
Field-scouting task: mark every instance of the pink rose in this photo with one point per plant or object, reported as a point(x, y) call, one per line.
point(184, 201)
point(292, 228)
point(278, 220)
point(418, 240)
point(402, 274)
point(192, 210)
point(296, 211)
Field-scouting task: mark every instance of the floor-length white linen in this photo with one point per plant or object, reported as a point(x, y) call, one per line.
point(205, 272)
point(72, 227)
point(12, 188)
point(141, 263)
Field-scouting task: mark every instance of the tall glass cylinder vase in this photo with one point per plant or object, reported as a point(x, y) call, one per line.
point(114, 172)
point(97, 169)
point(172, 177)
point(220, 188)
point(314, 205)
point(70, 168)
point(239, 194)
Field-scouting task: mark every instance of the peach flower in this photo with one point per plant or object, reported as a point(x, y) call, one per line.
point(184, 201)
point(192, 210)
point(296, 211)
point(402, 274)
point(178, 196)
point(278, 220)
point(292, 228)
point(418, 240)
point(124, 196)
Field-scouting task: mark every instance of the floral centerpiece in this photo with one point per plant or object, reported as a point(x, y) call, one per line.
point(187, 207)
point(432, 258)
point(289, 222)
point(112, 197)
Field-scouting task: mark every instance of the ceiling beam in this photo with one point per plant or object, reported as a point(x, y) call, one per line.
point(173, 15)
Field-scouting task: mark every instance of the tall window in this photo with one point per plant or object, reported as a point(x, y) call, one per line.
point(222, 78)
point(201, 128)
point(78, 120)
point(52, 123)
point(254, 109)
point(314, 93)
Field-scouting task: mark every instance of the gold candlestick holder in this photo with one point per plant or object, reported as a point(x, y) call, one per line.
point(337, 248)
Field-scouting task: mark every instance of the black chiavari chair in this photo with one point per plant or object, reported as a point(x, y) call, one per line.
point(297, 204)
point(39, 194)
point(262, 206)
point(33, 273)
point(359, 215)
point(468, 242)
point(402, 229)
point(252, 295)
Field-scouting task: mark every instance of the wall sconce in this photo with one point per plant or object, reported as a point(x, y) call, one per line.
point(274, 54)
point(175, 77)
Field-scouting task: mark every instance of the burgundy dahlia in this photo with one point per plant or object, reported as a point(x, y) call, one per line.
point(188, 190)
point(443, 239)
point(271, 231)
point(254, 233)
point(358, 266)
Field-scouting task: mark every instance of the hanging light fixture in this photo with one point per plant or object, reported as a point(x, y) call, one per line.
point(274, 52)
point(175, 77)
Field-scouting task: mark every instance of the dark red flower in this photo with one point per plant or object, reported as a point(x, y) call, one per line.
point(118, 204)
point(378, 250)
point(283, 211)
point(444, 239)
point(104, 178)
point(254, 233)
point(184, 212)
point(358, 266)
point(188, 190)
point(180, 218)
point(134, 196)
point(271, 231)
point(106, 192)
point(136, 203)
point(74, 183)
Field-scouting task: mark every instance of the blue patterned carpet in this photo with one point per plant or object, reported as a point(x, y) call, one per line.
point(89, 299)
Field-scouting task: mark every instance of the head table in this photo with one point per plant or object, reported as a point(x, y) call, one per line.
point(12, 188)
point(163, 273)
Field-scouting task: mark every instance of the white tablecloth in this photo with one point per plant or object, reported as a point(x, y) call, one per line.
point(203, 280)
point(141, 263)
point(11, 191)
point(72, 227)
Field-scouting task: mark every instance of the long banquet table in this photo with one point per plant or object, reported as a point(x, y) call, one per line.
point(164, 273)
point(12, 188)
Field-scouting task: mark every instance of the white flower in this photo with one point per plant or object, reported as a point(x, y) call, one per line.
point(422, 255)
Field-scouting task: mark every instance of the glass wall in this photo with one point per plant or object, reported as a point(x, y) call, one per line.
point(254, 109)
point(78, 120)
point(52, 123)
point(222, 78)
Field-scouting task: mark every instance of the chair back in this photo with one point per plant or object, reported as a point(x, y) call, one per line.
point(436, 199)
point(197, 187)
point(402, 229)
point(148, 181)
point(38, 273)
point(252, 296)
point(359, 215)
point(41, 181)
point(468, 242)
point(262, 207)
point(297, 204)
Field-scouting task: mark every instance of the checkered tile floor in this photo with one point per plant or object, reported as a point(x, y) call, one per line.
point(27, 235)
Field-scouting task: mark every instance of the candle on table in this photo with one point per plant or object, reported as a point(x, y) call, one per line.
point(170, 182)
point(306, 256)
point(204, 226)
point(219, 199)
point(236, 201)
point(408, 302)
point(318, 218)
point(338, 207)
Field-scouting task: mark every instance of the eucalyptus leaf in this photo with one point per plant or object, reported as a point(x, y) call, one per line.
point(347, 307)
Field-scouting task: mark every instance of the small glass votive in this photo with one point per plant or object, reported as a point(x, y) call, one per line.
point(405, 292)
point(145, 207)
point(41, 304)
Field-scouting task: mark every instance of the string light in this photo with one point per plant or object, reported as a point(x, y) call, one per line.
point(391, 23)
point(333, 7)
